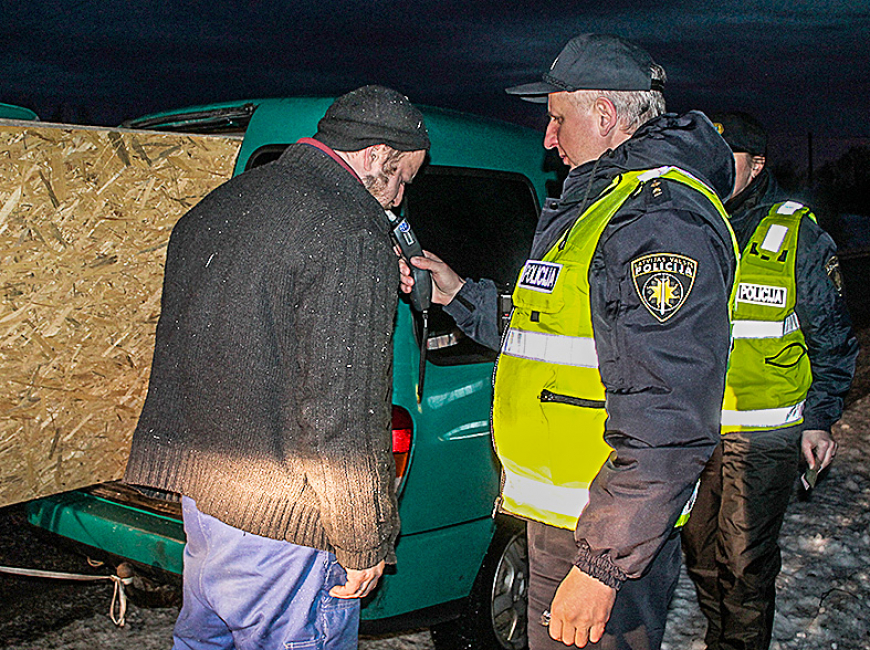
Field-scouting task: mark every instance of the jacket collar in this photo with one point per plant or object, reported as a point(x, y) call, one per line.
point(317, 144)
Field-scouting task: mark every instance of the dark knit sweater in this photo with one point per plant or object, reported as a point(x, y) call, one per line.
point(269, 399)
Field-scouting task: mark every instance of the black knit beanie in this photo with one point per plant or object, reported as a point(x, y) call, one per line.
point(373, 115)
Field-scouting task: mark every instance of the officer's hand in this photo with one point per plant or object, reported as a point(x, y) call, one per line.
point(446, 283)
point(580, 609)
point(818, 445)
point(359, 583)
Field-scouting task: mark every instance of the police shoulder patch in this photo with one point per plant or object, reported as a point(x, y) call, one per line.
point(663, 282)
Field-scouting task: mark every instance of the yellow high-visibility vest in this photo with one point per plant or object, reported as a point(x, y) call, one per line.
point(549, 407)
point(769, 373)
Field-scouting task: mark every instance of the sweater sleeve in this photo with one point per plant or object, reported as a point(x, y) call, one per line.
point(343, 321)
point(821, 309)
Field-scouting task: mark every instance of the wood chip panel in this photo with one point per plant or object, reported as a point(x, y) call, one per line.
point(85, 216)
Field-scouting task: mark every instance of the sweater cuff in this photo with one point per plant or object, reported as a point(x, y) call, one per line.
point(360, 560)
point(600, 567)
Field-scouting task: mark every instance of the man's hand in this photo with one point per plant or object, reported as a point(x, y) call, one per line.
point(580, 609)
point(359, 583)
point(446, 283)
point(818, 445)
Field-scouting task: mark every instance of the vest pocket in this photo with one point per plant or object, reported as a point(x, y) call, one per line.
point(574, 446)
point(788, 357)
point(556, 398)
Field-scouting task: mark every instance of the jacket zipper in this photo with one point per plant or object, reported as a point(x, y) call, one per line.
point(550, 396)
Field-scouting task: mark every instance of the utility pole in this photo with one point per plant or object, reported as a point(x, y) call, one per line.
point(810, 159)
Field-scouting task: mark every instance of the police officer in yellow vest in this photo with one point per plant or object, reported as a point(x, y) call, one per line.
point(610, 379)
point(792, 362)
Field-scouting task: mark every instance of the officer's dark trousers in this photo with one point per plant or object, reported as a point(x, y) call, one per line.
point(730, 541)
point(637, 621)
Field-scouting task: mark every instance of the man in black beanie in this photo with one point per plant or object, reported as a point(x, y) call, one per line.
point(266, 410)
point(792, 362)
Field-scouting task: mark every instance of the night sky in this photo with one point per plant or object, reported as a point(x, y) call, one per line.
point(801, 67)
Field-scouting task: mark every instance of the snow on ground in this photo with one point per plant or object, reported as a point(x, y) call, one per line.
point(824, 587)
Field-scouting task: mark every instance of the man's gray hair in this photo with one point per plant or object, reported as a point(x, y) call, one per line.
point(633, 107)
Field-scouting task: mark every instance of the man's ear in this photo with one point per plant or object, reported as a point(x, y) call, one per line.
point(371, 155)
point(758, 163)
point(607, 118)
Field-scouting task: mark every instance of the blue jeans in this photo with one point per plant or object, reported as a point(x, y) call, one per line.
point(249, 592)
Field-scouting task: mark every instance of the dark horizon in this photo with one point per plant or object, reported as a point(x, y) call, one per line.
point(799, 70)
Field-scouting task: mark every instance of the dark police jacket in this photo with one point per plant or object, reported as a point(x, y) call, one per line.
point(664, 380)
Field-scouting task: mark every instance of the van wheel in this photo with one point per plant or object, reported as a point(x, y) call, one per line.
point(496, 615)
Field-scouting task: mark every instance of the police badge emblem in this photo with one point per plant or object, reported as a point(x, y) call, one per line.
point(663, 282)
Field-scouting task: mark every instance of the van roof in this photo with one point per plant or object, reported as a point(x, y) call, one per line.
point(458, 139)
point(10, 112)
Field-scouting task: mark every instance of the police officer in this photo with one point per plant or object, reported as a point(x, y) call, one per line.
point(792, 363)
point(610, 379)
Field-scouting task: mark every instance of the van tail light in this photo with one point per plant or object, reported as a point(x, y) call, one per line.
point(403, 432)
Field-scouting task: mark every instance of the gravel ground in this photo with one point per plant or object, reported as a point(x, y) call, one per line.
point(824, 587)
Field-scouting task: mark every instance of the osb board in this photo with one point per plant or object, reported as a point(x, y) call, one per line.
point(85, 216)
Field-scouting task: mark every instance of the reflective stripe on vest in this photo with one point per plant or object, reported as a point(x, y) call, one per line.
point(757, 329)
point(765, 418)
point(769, 372)
point(549, 409)
point(564, 350)
point(687, 509)
point(563, 503)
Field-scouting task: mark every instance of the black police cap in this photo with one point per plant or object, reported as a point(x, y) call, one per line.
point(593, 62)
point(742, 132)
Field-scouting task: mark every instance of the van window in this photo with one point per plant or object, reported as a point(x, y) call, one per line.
point(481, 222)
point(265, 154)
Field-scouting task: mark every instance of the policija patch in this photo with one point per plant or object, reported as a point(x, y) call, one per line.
point(540, 276)
point(663, 282)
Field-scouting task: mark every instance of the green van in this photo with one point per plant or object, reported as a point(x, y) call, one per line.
point(475, 203)
point(11, 112)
